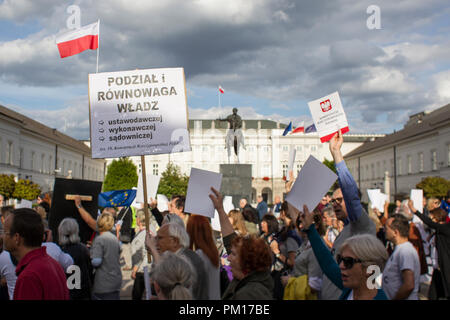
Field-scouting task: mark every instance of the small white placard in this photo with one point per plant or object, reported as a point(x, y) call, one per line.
point(198, 191)
point(227, 207)
point(313, 181)
point(292, 153)
point(417, 198)
point(328, 116)
point(152, 188)
point(163, 202)
point(24, 204)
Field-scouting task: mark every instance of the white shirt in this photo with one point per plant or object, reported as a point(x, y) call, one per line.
point(8, 271)
point(54, 251)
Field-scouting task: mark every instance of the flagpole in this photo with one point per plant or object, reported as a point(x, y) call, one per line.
point(98, 45)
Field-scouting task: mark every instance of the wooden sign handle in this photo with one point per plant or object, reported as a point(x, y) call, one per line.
point(144, 186)
point(83, 198)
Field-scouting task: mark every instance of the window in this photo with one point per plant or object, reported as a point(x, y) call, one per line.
point(285, 148)
point(448, 155)
point(266, 149)
point(372, 170)
point(299, 148)
point(378, 170)
point(42, 163)
point(392, 167)
point(433, 160)
point(140, 167)
point(409, 164)
point(285, 170)
point(32, 160)
point(299, 167)
point(205, 149)
point(50, 164)
point(155, 169)
point(421, 162)
point(399, 167)
point(313, 148)
point(21, 157)
point(64, 167)
point(10, 154)
point(265, 170)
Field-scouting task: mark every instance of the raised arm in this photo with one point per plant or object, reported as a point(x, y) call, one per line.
point(86, 216)
point(323, 255)
point(346, 181)
point(441, 227)
point(225, 225)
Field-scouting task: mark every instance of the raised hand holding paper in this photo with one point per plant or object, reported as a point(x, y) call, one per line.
point(329, 116)
point(313, 181)
point(198, 191)
point(291, 162)
point(227, 207)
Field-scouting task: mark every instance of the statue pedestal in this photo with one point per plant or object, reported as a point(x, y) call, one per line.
point(236, 182)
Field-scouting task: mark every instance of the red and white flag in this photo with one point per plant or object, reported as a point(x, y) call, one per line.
point(221, 90)
point(300, 128)
point(79, 40)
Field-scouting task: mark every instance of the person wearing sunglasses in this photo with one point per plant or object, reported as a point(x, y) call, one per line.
point(348, 209)
point(358, 258)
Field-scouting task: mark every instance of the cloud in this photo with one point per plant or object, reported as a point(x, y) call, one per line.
point(277, 50)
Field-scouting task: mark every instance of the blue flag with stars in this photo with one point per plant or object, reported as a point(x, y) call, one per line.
point(116, 198)
point(288, 128)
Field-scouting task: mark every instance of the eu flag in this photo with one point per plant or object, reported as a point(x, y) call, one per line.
point(288, 128)
point(311, 128)
point(116, 198)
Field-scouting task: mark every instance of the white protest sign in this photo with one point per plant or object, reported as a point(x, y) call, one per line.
point(313, 181)
point(329, 116)
point(227, 207)
point(417, 199)
point(291, 161)
point(152, 188)
point(374, 197)
point(163, 202)
point(198, 191)
point(138, 112)
point(24, 204)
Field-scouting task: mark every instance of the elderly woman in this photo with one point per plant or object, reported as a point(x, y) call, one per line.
point(70, 243)
point(173, 277)
point(250, 260)
point(105, 254)
point(358, 259)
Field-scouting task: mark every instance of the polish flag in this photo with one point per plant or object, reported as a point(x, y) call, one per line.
point(299, 129)
point(221, 90)
point(79, 40)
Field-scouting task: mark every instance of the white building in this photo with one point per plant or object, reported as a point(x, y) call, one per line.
point(266, 149)
point(420, 149)
point(31, 150)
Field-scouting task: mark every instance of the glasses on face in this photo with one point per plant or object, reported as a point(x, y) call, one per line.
point(349, 262)
point(337, 200)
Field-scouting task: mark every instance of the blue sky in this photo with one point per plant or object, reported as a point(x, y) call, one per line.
point(270, 56)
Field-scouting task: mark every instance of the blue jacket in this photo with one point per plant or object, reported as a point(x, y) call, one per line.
point(262, 209)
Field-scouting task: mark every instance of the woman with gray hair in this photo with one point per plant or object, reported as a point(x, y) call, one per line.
point(69, 241)
point(173, 277)
point(360, 260)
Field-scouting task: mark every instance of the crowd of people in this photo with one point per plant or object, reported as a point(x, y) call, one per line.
point(338, 250)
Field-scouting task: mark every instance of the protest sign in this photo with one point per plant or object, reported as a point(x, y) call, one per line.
point(163, 202)
point(152, 188)
point(291, 162)
point(24, 204)
point(227, 207)
point(312, 183)
point(377, 199)
point(417, 199)
point(138, 112)
point(329, 116)
point(198, 191)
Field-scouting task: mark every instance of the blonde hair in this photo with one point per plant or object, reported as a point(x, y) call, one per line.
point(105, 222)
point(238, 222)
point(175, 276)
point(41, 211)
point(367, 248)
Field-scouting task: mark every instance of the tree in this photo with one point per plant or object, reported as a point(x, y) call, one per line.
point(436, 187)
point(121, 174)
point(332, 167)
point(7, 185)
point(26, 189)
point(172, 181)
